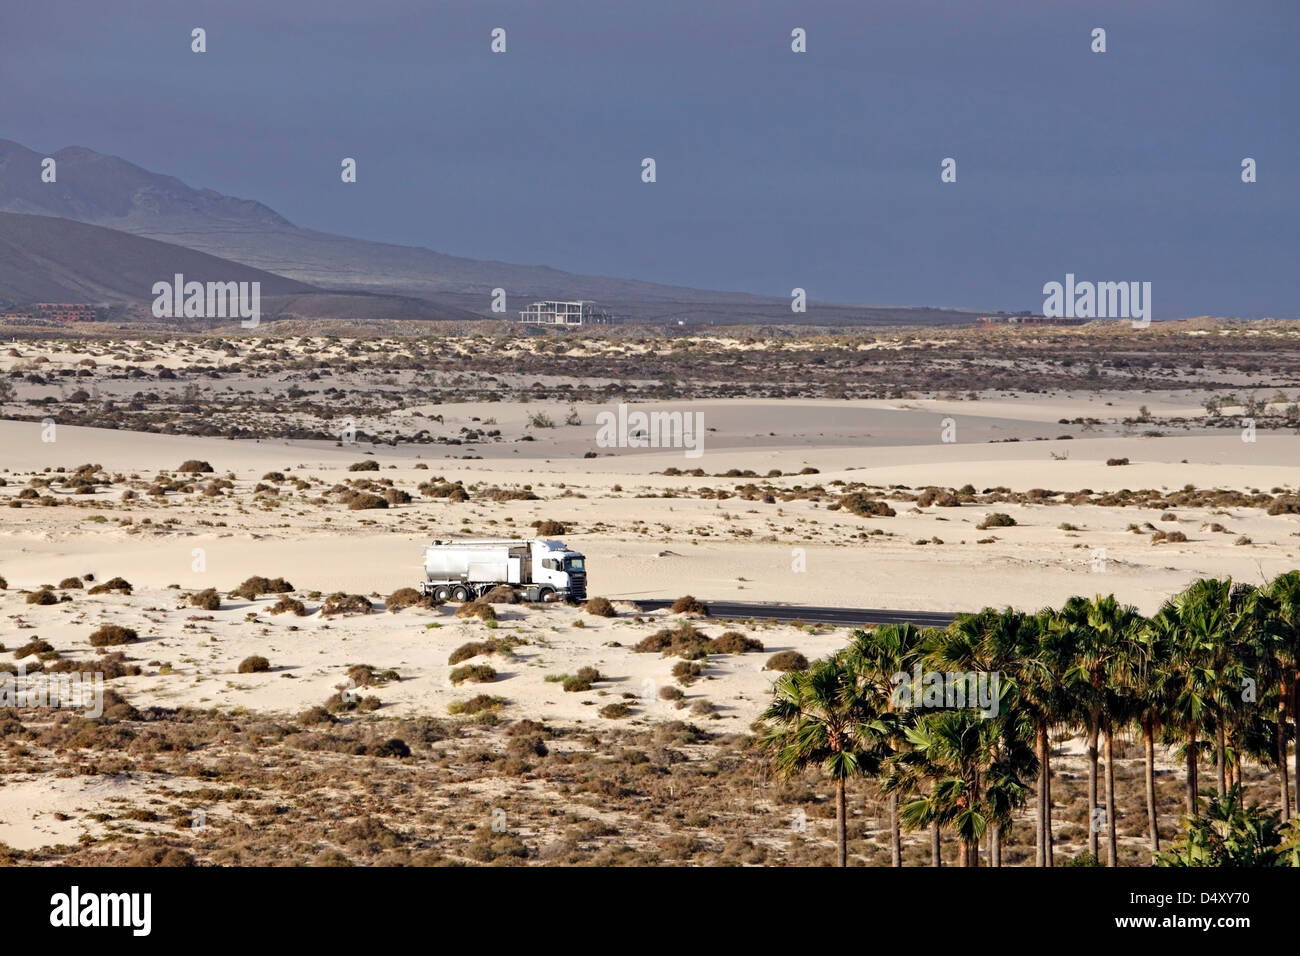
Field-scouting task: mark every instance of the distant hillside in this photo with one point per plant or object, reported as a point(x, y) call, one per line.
point(108, 191)
point(43, 259)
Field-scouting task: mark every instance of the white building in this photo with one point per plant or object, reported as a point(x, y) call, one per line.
point(564, 313)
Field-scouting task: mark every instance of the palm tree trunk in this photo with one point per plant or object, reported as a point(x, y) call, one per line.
point(895, 835)
point(1112, 852)
point(1051, 837)
point(1044, 797)
point(841, 828)
point(1092, 788)
point(1221, 757)
point(995, 845)
point(1295, 719)
point(1192, 788)
point(936, 854)
point(1153, 819)
point(1284, 785)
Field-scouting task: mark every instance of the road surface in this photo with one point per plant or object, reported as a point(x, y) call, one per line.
point(850, 616)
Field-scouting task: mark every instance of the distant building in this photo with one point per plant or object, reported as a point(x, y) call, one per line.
point(564, 313)
point(1028, 320)
point(54, 312)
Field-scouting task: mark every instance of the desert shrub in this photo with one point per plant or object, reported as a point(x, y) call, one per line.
point(615, 711)
point(686, 604)
point(478, 609)
point(1169, 516)
point(702, 708)
point(864, 506)
point(111, 666)
point(687, 671)
point(392, 747)
point(669, 692)
point(364, 501)
point(996, 520)
point(121, 585)
point(4, 585)
point(288, 605)
point(34, 646)
point(368, 465)
point(73, 584)
point(396, 496)
point(340, 603)
point(1116, 461)
point(473, 674)
point(254, 665)
point(1243, 540)
point(195, 466)
point(734, 642)
point(501, 594)
point(939, 497)
point(363, 675)
point(546, 529)
point(408, 597)
point(313, 716)
point(42, 596)
point(476, 705)
point(256, 586)
point(787, 661)
point(1284, 505)
point(109, 634)
point(600, 607)
point(1170, 537)
point(467, 651)
point(208, 599)
point(680, 641)
point(583, 680)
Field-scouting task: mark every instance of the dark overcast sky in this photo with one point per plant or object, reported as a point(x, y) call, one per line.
point(775, 170)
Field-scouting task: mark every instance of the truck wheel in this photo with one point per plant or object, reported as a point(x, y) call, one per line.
point(442, 594)
point(545, 594)
point(463, 593)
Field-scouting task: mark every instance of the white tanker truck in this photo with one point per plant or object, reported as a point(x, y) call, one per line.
point(540, 569)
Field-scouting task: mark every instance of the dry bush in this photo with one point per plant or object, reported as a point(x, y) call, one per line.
point(473, 674)
point(681, 641)
point(109, 634)
point(1284, 505)
point(408, 597)
point(208, 599)
point(288, 605)
point(4, 585)
point(256, 586)
point(1168, 537)
point(396, 496)
point(110, 665)
point(341, 603)
point(501, 594)
point(1116, 461)
point(668, 692)
point(368, 464)
point(786, 661)
point(34, 646)
point(582, 680)
point(939, 497)
point(997, 519)
point(615, 711)
point(73, 584)
point(478, 609)
point(734, 642)
point(254, 665)
point(687, 604)
point(864, 506)
point(42, 596)
point(363, 675)
point(688, 672)
point(195, 467)
point(362, 501)
point(548, 528)
point(600, 607)
point(478, 704)
point(120, 585)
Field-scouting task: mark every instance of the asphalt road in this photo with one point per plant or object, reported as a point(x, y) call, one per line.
point(850, 616)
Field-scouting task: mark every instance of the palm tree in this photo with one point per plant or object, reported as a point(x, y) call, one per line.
point(1004, 643)
point(1284, 591)
point(1141, 674)
point(881, 654)
point(821, 717)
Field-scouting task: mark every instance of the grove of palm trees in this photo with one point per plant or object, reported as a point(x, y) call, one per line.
point(1204, 693)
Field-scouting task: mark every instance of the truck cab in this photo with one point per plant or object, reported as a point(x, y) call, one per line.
point(563, 570)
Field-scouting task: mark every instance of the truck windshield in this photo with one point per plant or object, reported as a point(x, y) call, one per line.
point(574, 564)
